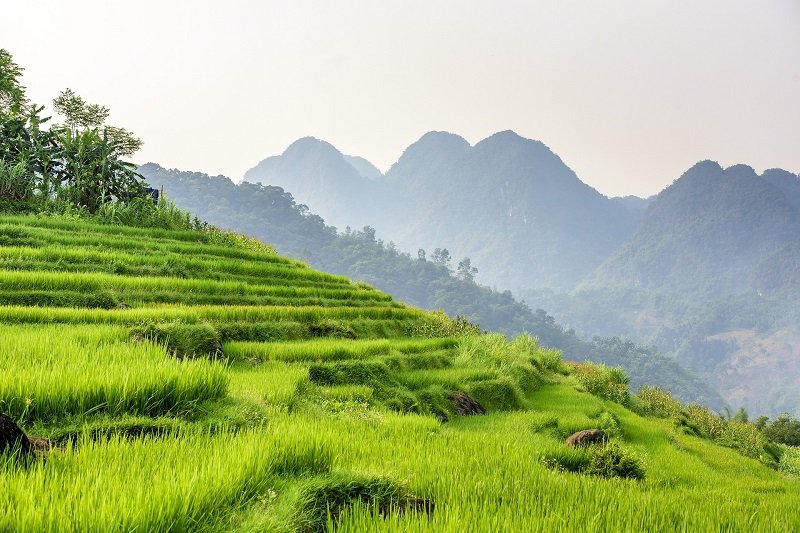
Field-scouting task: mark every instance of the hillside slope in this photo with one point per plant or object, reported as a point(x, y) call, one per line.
point(251, 392)
point(270, 213)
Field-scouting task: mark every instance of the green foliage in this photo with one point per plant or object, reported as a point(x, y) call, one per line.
point(16, 184)
point(497, 394)
point(732, 431)
point(611, 460)
point(655, 401)
point(349, 373)
point(610, 383)
point(182, 340)
point(80, 163)
point(439, 324)
point(785, 429)
point(705, 421)
point(790, 460)
point(51, 372)
point(12, 93)
point(326, 498)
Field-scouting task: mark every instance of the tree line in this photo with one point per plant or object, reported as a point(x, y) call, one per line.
point(79, 161)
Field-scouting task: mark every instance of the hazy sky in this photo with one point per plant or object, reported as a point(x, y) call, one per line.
point(628, 93)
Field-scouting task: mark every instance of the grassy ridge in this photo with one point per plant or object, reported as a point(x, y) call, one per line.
point(322, 416)
point(55, 371)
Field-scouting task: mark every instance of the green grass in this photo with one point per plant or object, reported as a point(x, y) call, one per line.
point(170, 484)
point(332, 349)
point(327, 414)
point(52, 372)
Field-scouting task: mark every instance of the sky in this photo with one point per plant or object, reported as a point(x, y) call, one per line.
point(628, 93)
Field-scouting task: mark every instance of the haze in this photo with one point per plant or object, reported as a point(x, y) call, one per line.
point(629, 94)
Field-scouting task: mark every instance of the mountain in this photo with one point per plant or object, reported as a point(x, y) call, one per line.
point(704, 236)
point(512, 206)
point(322, 178)
point(787, 182)
point(508, 203)
point(711, 277)
point(364, 167)
point(634, 203)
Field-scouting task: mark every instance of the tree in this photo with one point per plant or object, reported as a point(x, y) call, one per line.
point(465, 270)
point(441, 257)
point(12, 94)
point(77, 113)
point(91, 165)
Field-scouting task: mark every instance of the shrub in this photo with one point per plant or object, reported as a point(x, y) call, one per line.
point(611, 460)
point(783, 430)
point(497, 394)
point(183, 340)
point(790, 460)
point(610, 383)
point(438, 324)
point(609, 423)
point(703, 419)
point(655, 401)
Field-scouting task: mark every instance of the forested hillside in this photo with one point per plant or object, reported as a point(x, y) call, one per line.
point(428, 280)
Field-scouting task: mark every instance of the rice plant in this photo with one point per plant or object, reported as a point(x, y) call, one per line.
point(51, 372)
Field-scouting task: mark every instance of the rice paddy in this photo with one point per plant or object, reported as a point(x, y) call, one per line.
point(315, 405)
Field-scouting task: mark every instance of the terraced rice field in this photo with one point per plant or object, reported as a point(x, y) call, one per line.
point(193, 385)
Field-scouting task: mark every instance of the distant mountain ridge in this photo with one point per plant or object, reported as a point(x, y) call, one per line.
point(712, 276)
point(321, 177)
point(705, 235)
point(508, 203)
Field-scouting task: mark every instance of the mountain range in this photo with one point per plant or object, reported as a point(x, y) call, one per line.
point(508, 203)
point(706, 271)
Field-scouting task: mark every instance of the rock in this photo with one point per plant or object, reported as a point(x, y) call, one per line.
point(420, 505)
point(40, 445)
point(465, 406)
point(219, 353)
point(12, 438)
point(587, 437)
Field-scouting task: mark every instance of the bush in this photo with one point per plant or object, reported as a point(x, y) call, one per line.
point(790, 460)
point(655, 401)
point(438, 324)
point(782, 430)
point(703, 419)
point(609, 423)
point(497, 394)
point(610, 383)
point(610, 460)
point(183, 340)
